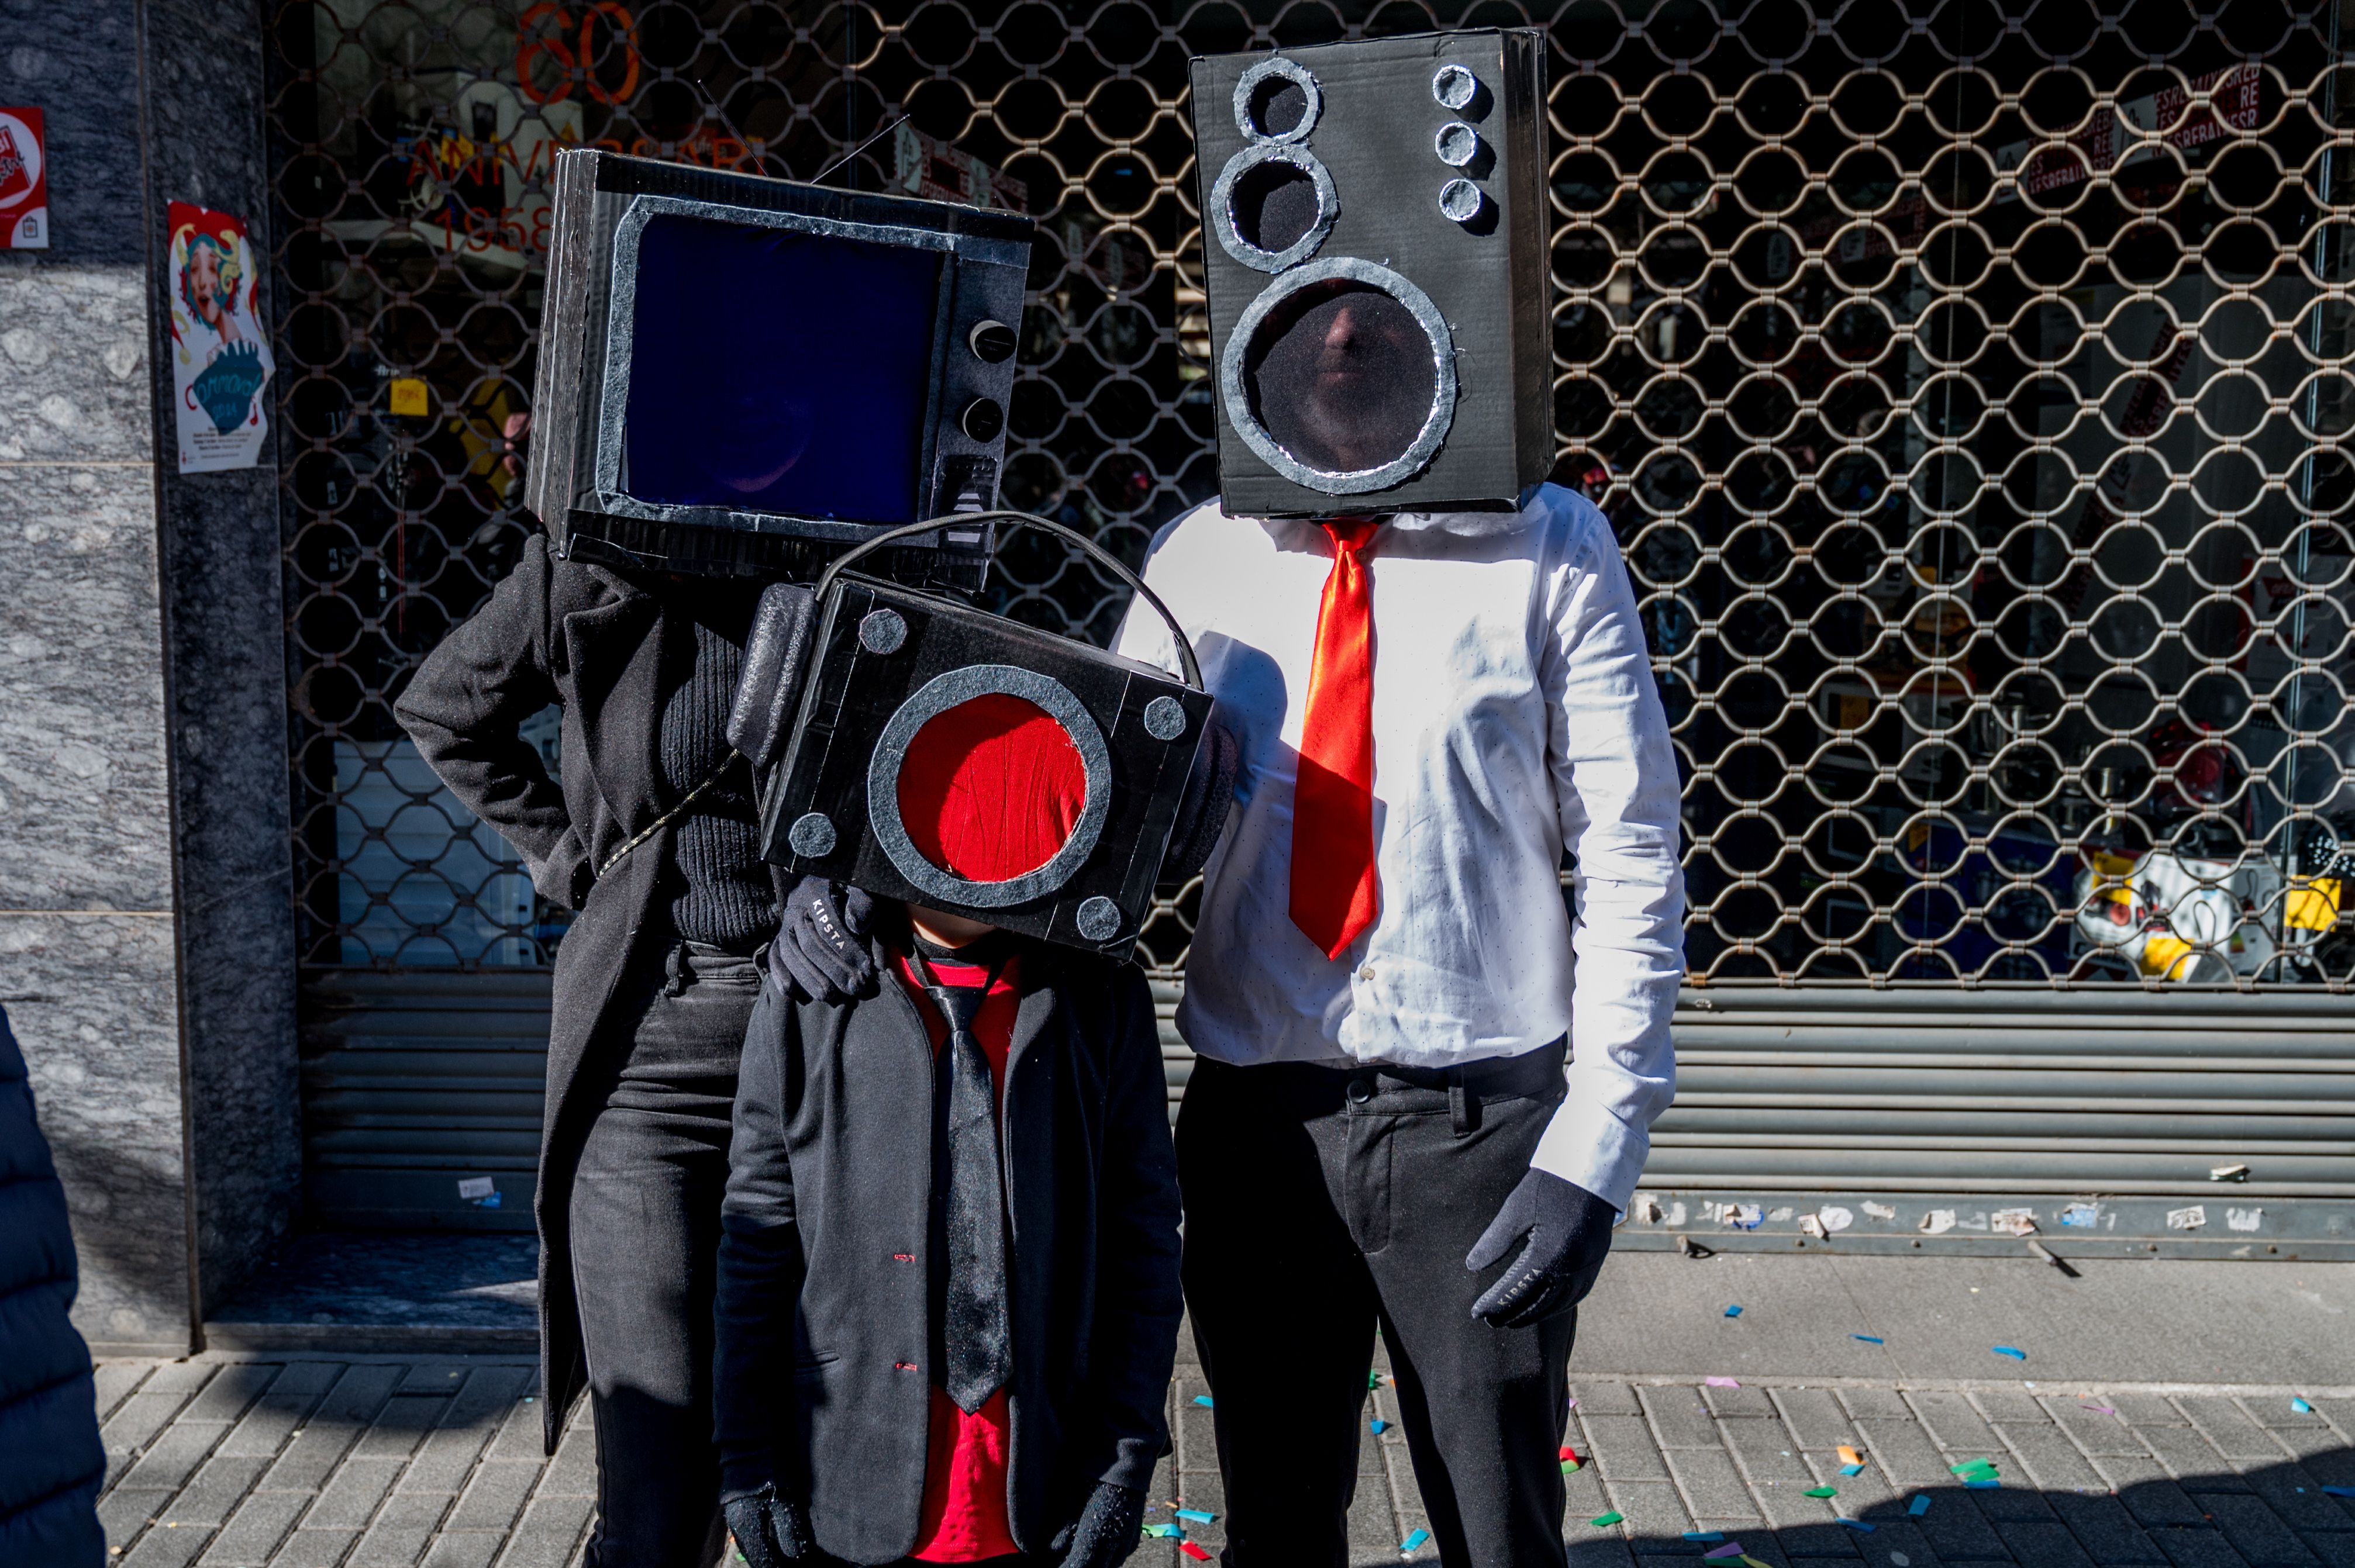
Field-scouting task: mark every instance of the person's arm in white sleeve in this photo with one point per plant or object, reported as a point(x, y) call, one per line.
point(1144, 635)
point(1615, 787)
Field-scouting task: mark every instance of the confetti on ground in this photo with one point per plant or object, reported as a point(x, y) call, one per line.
point(1165, 1531)
point(1411, 1542)
point(1721, 1383)
point(1203, 1399)
point(1974, 1469)
point(1732, 1549)
point(1851, 1470)
point(1605, 1521)
point(1870, 1339)
point(1849, 1454)
point(1571, 1406)
point(1917, 1508)
point(1858, 1525)
point(1196, 1552)
point(2096, 1409)
point(1197, 1515)
point(1752, 1561)
point(2301, 1407)
point(1988, 1485)
point(1569, 1460)
point(1704, 1535)
point(2014, 1351)
point(2341, 1491)
point(1377, 1426)
point(1821, 1492)
point(1733, 1311)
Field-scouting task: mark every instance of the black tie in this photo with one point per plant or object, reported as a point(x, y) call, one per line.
point(978, 1346)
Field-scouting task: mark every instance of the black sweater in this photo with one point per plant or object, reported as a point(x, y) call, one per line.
point(719, 890)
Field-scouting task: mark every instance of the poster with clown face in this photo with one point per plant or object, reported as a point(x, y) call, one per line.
point(220, 353)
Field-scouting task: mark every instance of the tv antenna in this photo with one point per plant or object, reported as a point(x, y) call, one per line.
point(891, 124)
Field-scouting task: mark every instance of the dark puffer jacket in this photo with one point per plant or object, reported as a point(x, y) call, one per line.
point(50, 1458)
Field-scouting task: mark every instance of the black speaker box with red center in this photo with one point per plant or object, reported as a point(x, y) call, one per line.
point(930, 751)
point(1375, 221)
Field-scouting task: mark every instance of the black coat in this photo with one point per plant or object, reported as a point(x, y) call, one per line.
point(824, 1368)
point(559, 632)
point(50, 1459)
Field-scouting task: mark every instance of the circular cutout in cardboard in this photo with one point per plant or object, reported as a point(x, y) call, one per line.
point(1341, 377)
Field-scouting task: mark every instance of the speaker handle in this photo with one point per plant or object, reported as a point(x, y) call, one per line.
point(1032, 520)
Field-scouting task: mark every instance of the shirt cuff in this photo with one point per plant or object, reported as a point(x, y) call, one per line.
point(1587, 1145)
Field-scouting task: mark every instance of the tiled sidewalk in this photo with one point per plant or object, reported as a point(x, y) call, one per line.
point(288, 1462)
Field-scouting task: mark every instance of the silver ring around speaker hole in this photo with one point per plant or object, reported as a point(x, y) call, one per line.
point(935, 697)
point(1165, 718)
point(1098, 919)
point(1455, 86)
point(1456, 144)
point(1356, 482)
point(882, 631)
point(1298, 75)
point(1222, 205)
point(1461, 200)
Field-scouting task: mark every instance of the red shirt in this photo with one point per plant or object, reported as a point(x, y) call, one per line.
point(964, 1516)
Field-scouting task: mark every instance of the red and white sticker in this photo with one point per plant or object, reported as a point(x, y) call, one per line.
point(24, 182)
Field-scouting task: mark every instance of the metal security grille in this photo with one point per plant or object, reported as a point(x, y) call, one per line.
point(1967, 384)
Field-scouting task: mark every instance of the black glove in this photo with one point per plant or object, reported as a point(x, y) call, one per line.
point(769, 1530)
point(1107, 1531)
point(820, 953)
point(1569, 1230)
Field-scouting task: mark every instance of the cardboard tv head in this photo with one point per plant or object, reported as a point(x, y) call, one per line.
point(1375, 261)
point(925, 750)
point(748, 376)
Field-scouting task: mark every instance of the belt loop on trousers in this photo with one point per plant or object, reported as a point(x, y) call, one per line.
point(1461, 1109)
point(675, 973)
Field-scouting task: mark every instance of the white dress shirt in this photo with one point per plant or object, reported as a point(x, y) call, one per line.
point(1514, 715)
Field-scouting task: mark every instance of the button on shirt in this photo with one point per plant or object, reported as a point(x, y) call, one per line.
point(1514, 716)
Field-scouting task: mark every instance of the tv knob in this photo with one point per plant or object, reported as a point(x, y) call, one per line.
point(992, 342)
point(983, 419)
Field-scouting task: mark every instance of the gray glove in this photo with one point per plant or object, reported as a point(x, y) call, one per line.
point(769, 1530)
point(1106, 1531)
point(820, 953)
point(1569, 1232)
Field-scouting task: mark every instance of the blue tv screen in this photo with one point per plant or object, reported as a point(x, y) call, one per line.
point(773, 370)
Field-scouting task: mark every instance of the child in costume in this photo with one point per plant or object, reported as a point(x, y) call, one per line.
point(948, 1283)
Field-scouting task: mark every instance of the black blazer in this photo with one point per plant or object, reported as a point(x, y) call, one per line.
point(559, 632)
point(825, 1366)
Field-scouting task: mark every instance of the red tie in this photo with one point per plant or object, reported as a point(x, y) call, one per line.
point(1333, 885)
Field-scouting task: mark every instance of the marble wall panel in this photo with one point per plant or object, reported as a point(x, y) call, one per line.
point(82, 784)
point(91, 1000)
point(225, 680)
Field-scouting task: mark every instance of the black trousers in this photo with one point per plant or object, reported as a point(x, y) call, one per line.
point(1321, 1202)
point(646, 1247)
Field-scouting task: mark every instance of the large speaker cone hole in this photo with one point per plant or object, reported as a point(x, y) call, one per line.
point(1273, 205)
point(1342, 375)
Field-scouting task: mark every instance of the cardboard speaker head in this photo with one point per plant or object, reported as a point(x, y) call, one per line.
point(932, 752)
point(1375, 218)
